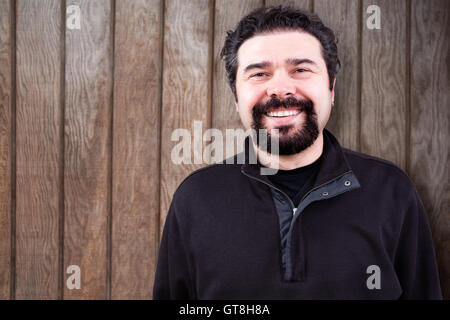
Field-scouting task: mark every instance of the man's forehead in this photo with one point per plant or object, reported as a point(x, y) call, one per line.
point(279, 47)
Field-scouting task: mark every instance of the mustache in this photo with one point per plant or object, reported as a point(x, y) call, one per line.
point(275, 103)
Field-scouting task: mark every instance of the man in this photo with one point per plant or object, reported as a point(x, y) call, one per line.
point(330, 224)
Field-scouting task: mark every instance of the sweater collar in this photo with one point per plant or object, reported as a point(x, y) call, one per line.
point(333, 165)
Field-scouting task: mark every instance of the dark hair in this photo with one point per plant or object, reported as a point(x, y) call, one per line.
point(278, 18)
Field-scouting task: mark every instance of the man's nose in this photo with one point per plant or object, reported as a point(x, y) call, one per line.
point(280, 87)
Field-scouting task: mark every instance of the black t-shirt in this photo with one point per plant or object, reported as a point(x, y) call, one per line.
point(295, 183)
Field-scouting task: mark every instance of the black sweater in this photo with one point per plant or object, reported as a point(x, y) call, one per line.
point(360, 233)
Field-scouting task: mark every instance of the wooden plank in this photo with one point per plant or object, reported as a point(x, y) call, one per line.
point(430, 127)
point(88, 84)
point(303, 4)
point(342, 17)
point(136, 139)
point(5, 146)
point(227, 14)
point(383, 104)
point(186, 93)
point(38, 143)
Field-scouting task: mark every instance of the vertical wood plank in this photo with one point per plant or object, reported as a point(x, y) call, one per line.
point(88, 85)
point(383, 109)
point(227, 14)
point(342, 17)
point(5, 146)
point(136, 148)
point(38, 148)
point(302, 4)
point(186, 94)
point(430, 127)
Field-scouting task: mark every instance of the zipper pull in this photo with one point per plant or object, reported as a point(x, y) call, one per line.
point(293, 211)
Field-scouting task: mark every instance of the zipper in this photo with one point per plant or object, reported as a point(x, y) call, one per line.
point(271, 186)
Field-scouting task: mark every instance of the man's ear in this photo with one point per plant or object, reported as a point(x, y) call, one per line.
point(332, 91)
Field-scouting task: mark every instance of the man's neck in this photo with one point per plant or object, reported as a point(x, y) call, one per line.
point(290, 162)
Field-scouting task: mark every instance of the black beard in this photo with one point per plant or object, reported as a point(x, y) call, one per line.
point(295, 142)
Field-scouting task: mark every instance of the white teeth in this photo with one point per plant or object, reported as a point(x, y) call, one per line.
point(283, 113)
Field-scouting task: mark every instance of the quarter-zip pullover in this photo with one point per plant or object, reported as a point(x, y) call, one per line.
point(359, 233)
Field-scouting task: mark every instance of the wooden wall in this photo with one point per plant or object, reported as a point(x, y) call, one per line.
point(86, 117)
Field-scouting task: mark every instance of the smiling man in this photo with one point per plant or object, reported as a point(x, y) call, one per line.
point(330, 224)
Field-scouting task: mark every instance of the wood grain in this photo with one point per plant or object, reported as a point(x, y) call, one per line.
point(6, 92)
point(38, 161)
point(136, 148)
point(87, 148)
point(430, 124)
point(342, 17)
point(186, 93)
point(227, 14)
point(383, 109)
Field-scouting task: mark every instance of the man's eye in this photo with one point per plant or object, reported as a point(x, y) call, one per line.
point(301, 70)
point(258, 75)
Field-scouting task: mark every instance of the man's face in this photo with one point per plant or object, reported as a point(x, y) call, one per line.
point(282, 83)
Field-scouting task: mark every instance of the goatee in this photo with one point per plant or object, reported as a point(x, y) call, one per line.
point(289, 143)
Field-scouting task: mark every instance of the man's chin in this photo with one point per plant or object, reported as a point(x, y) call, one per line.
point(291, 143)
point(282, 132)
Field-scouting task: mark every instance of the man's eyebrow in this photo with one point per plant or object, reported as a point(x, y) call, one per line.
point(259, 65)
point(290, 61)
point(296, 61)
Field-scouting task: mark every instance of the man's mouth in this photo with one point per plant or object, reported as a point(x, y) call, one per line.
point(282, 113)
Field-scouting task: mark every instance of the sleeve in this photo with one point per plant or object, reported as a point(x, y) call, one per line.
point(415, 260)
point(172, 279)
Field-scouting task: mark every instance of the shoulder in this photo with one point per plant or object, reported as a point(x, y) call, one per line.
point(210, 179)
point(384, 185)
point(378, 172)
point(367, 161)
